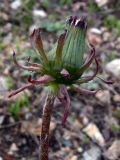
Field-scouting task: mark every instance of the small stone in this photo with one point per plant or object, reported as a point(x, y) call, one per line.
point(7, 27)
point(116, 98)
point(28, 116)
point(93, 132)
point(16, 4)
point(3, 87)
point(94, 38)
point(92, 154)
point(1, 119)
point(11, 120)
point(1, 158)
point(78, 124)
point(112, 122)
point(101, 3)
point(85, 120)
point(13, 148)
point(103, 96)
point(4, 16)
point(103, 29)
point(106, 36)
point(7, 39)
point(73, 158)
point(113, 67)
point(80, 150)
point(113, 151)
point(96, 31)
point(52, 126)
point(39, 14)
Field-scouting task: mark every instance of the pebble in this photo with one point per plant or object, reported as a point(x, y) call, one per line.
point(74, 158)
point(13, 148)
point(92, 154)
point(94, 38)
point(7, 39)
point(103, 96)
point(93, 132)
point(113, 151)
point(106, 36)
point(39, 14)
point(28, 116)
point(3, 87)
point(116, 98)
point(1, 119)
point(16, 4)
point(80, 150)
point(113, 67)
point(101, 3)
point(96, 31)
point(7, 27)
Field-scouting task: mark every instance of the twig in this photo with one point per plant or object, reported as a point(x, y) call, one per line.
point(10, 125)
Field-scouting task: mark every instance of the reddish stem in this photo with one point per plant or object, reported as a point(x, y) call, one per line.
point(45, 126)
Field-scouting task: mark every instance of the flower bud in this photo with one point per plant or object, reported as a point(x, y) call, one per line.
point(74, 43)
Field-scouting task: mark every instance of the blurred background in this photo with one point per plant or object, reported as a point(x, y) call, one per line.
point(93, 127)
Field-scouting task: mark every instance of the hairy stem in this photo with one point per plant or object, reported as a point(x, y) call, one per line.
point(45, 126)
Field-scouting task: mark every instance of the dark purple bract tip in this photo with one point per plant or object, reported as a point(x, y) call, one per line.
point(13, 53)
point(77, 22)
point(74, 20)
point(81, 23)
point(69, 20)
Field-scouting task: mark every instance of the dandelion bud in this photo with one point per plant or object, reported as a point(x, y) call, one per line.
point(74, 44)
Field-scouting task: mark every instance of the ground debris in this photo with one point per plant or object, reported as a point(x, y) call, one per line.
point(92, 154)
point(113, 67)
point(94, 133)
point(113, 151)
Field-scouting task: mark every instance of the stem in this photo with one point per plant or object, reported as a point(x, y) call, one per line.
point(45, 126)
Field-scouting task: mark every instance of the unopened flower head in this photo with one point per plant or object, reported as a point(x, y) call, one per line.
point(64, 65)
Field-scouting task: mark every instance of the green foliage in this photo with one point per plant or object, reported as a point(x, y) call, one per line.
point(25, 18)
point(45, 3)
point(15, 107)
point(93, 7)
point(112, 22)
point(116, 4)
point(9, 83)
point(90, 85)
point(65, 2)
point(111, 56)
point(28, 5)
point(117, 114)
point(57, 27)
point(85, 140)
point(29, 52)
point(115, 128)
